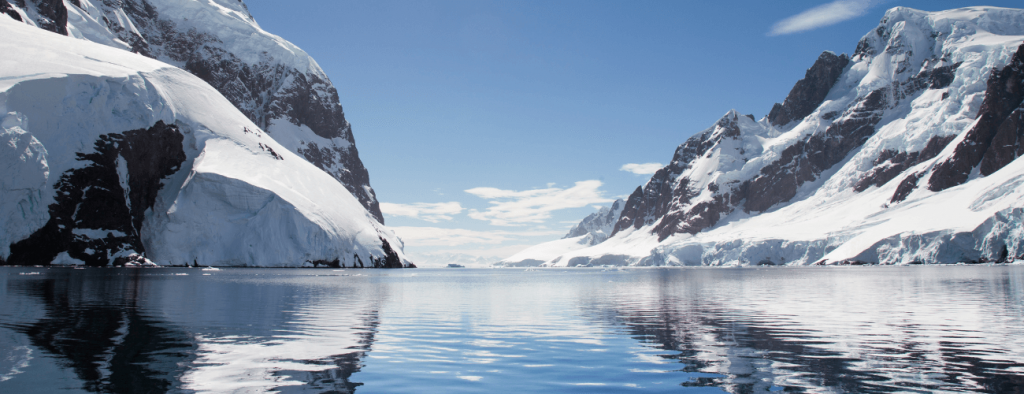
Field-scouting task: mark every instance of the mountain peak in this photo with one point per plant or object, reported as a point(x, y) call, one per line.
point(831, 175)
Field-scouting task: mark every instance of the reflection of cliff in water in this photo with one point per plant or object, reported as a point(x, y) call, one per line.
point(746, 350)
point(740, 357)
point(336, 377)
point(107, 342)
point(113, 329)
point(292, 333)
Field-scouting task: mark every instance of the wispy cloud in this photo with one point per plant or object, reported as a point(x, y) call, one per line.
point(431, 212)
point(642, 169)
point(436, 236)
point(822, 15)
point(512, 208)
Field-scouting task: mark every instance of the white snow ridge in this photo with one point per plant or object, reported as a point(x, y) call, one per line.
point(903, 153)
point(108, 153)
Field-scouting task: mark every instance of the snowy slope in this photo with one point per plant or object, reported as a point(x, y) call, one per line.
point(902, 153)
point(271, 81)
point(592, 230)
point(110, 153)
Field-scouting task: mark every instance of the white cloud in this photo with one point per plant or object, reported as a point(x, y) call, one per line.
point(436, 236)
point(431, 212)
point(822, 15)
point(642, 169)
point(511, 208)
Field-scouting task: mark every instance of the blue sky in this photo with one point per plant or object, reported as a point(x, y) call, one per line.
point(489, 126)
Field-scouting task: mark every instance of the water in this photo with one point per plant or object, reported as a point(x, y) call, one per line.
point(851, 329)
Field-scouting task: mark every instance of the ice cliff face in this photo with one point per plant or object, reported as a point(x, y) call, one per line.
point(108, 153)
point(270, 80)
point(902, 153)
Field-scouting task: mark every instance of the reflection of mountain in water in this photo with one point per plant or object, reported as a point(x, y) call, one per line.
point(112, 347)
point(742, 358)
point(229, 335)
point(745, 351)
point(335, 379)
point(290, 334)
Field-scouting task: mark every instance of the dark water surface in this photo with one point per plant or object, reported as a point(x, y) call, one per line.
point(848, 329)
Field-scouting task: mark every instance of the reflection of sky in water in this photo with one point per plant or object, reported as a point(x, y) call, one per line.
point(861, 329)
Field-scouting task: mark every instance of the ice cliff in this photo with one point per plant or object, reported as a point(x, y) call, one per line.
point(210, 158)
point(904, 152)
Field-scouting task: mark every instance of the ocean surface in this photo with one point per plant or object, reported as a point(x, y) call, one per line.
point(585, 330)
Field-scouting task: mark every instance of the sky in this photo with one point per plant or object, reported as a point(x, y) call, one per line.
point(491, 126)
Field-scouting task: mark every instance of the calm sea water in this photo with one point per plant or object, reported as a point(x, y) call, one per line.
point(852, 329)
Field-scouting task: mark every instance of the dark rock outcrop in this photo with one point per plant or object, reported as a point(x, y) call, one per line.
point(390, 259)
point(633, 212)
point(665, 193)
point(810, 92)
point(1007, 144)
point(1003, 97)
point(889, 164)
point(100, 207)
point(805, 160)
point(52, 14)
point(5, 8)
point(649, 203)
point(906, 186)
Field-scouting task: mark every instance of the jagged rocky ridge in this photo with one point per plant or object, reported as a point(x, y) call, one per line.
point(108, 153)
point(831, 175)
point(274, 83)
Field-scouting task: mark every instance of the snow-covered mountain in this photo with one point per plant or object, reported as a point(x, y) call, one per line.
point(592, 230)
point(270, 80)
point(108, 153)
point(598, 225)
point(902, 153)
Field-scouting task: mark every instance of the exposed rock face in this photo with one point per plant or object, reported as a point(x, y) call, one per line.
point(52, 15)
point(906, 186)
point(645, 205)
point(805, 160)
point(284, 92)
point(891, 163)
point(1007, 145)
point(100, 207)
point(390, 260)
point(808, 93)
point(999, 115)
point(6, 8)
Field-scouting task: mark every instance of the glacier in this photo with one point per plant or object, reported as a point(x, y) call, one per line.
point(903, 153)
point(110, 153)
